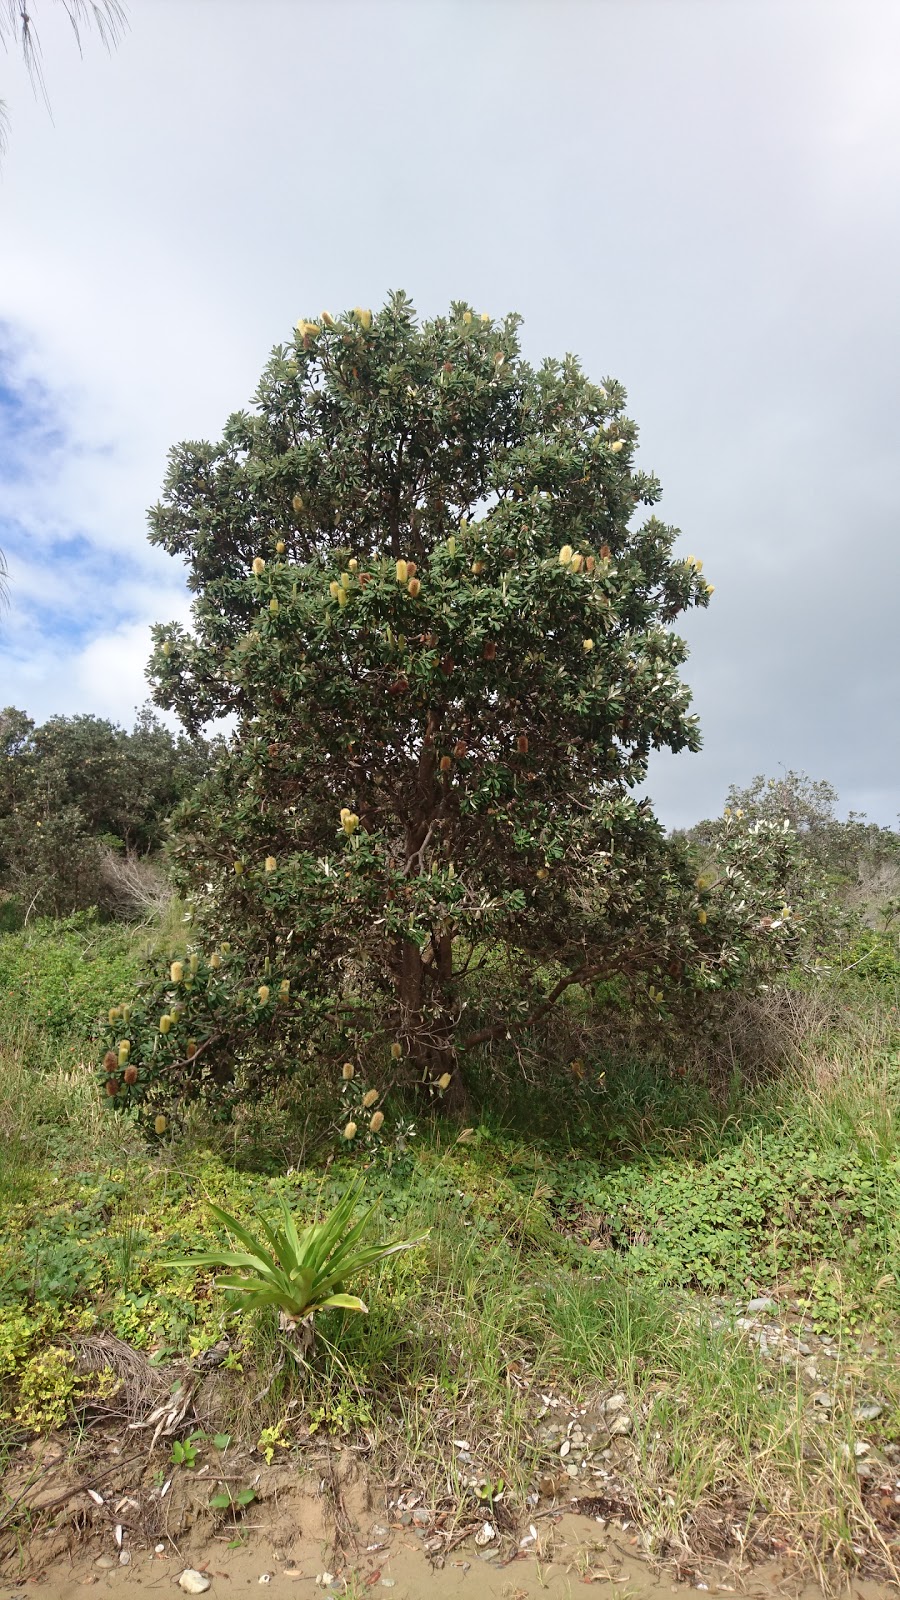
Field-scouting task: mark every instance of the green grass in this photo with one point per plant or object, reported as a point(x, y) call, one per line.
point(572, 1254)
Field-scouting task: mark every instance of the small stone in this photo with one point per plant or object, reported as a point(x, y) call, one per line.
point(621, 1424)
point(105, 1561)
point(422, 1518)
point(485, 1534)
point(861, 1448)
point(867, 1411)
point(292, 1572)
point(193, 1582)
point(159, 1548)
point(823, 1399)
point(124, 1558)
point(616, 1402)
point(758, 1308)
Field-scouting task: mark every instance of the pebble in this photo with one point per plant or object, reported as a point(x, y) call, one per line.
point(867, 1411)
point(756, 1308)
point(422, 1518)
point(124, 1558)
point(193, 1582)
point(485, 1534)
point(621, 1424)
point(105, 1561)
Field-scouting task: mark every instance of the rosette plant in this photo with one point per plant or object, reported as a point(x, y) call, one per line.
point(431, 591)
point(297, 1271)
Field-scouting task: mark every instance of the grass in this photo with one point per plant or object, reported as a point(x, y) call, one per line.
point(608, 1250)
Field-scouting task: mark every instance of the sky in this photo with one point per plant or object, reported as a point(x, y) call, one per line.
point(698, 197)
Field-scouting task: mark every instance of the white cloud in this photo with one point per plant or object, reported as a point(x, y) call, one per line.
point(700, 199)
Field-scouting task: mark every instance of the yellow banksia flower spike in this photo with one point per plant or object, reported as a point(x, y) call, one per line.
point(587, 645)
point(271, 863)
point(396, 1050)
point(444, 1080)
point(350, 1130)
point(263, 993)
point(280, 547)
point(376, 1122)
point(259, 566)
point(577, 561)
point(565, 555)
point(369, 1098)
point(297, 502)
point(273, 606)
point(402, 571)
point(165, 1023)
point(363, 317)
point(215, 961)
point(160, 1125)
point(348, 1071)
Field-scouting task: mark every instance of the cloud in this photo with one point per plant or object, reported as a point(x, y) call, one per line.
point(699, 199)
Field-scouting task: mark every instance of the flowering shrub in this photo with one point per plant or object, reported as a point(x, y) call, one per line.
point(422, 591)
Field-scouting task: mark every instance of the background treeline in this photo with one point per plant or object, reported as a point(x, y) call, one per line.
point(83, 810)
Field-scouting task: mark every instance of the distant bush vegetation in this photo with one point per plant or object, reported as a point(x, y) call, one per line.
point(83, 807)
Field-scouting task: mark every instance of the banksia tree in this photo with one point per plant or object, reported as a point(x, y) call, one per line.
point(461, 547)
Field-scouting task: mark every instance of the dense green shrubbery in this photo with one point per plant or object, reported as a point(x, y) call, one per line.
point(83, 806)
point(422, 590)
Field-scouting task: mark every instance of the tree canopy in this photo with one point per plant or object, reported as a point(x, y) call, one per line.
point(430, 586)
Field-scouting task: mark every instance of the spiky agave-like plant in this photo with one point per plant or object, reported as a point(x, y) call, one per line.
point(299, 1272)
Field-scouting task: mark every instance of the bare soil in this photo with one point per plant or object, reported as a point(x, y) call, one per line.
point(333, 1531)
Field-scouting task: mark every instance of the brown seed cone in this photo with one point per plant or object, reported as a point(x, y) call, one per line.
point(112, 1087)
point(446, 763)
point(522, 744)
point(490, 650)
point(460, 749)
point(130, 1075)
point(110, 1061)
point(447, 665)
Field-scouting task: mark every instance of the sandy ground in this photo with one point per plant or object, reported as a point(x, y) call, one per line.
point(283, 1560)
